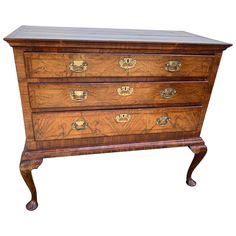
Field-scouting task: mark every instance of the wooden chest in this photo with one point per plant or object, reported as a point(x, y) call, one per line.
point(88, 90)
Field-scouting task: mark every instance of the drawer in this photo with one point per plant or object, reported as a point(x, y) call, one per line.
point(53, 95)
point(59, 65)
point(84, 124)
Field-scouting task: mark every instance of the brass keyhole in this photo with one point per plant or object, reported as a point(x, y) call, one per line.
point(127, 63)
point(122, 118)
point(125, 91)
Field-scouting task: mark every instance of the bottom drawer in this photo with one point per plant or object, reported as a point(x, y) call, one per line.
point(84, 124)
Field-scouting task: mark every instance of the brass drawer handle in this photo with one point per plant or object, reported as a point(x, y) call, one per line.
point(78, 96)
point(163, 121)
point(78, 66)
point(122, 118)
point(168, 93)
point(125, 91)
point(173, 66)
point(79, 125)
point(127, 63)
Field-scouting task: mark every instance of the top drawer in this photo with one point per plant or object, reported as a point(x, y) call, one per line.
point(58, 65)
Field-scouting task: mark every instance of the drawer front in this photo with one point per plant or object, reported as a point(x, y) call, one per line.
point(114, 94)
point(59, 65)
point(73, 125)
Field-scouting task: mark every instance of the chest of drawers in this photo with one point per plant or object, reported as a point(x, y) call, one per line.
point(87, 91)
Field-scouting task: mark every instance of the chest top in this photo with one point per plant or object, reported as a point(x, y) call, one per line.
point(32, 34)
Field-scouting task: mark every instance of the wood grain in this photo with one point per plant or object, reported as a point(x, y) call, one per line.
point(199, 153)
point(91, 149)
point(23, 86)
point(58, 125)
point(211, 81)
point(56, 65)
point(54, 95)
point(26, 167)
point(62, 34)
point(115, 140)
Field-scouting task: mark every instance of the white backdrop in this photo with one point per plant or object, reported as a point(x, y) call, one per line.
point(130, 193)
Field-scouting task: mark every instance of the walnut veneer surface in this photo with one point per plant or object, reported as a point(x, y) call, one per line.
point(87, 90)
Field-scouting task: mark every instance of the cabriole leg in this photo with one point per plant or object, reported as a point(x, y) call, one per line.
point(199, 151)
point(26, 166)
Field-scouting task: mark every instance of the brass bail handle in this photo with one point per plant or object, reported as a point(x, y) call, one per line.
point(78, 66)
point(168, 93)
point(79, 125)
point(78, 95)
point(163, 121)
point(173, 66)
